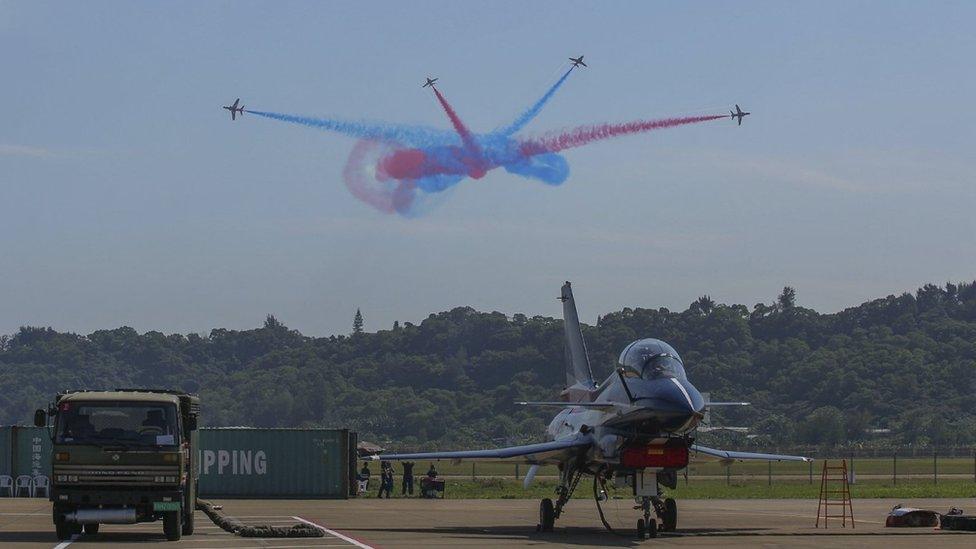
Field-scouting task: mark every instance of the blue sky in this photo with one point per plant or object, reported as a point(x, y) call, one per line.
point(128, 198)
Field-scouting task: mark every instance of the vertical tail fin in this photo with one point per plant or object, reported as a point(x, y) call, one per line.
point(578, 372)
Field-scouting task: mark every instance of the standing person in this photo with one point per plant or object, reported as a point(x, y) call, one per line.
point(386, 482)
point(364, 478)
point(407, 477)
point(430, 491)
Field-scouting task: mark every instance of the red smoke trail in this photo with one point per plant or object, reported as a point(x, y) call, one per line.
point(588, 134)
point(474, 164)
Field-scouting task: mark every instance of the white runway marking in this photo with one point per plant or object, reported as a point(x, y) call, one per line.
point(278, 546)
point(64, 544)
point(355, 542)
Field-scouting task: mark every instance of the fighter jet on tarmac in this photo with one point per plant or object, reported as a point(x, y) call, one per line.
point(430, 82)
point(636, 429)
point(577, 61)
point(739, 114)
point(234, 109)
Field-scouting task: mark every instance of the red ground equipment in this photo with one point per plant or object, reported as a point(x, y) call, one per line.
point(671, 454)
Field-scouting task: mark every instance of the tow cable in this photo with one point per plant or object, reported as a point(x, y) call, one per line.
point(598, 481)
point(236, 527)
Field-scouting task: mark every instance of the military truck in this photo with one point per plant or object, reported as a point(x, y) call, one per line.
point(122, 457)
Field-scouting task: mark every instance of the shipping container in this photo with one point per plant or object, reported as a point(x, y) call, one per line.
point(281, 463)
point(25, 451)
point(235, 462)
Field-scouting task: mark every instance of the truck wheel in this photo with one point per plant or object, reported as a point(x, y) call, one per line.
point(91, 528)
point(63, 530)
point(172, 526)
point(188, 524)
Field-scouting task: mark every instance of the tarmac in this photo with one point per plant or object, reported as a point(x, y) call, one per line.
point(407, 523)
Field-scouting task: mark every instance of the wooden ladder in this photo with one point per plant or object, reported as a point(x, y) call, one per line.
point(835, 490)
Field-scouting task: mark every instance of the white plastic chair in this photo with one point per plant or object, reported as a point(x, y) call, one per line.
point(23, 487)
point(41, 483)
point(6, 486)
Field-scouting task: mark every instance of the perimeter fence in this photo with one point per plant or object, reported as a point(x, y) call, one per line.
point(889, 466)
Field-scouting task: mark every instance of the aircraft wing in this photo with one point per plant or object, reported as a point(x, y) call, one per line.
point(563, 404)
point(544, 452)
point(728, 456)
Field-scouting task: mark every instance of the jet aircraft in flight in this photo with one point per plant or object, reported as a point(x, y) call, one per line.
point(636, 429)
point(577, 61)
point(234, 109)
point(739, 114)
point(430, 82)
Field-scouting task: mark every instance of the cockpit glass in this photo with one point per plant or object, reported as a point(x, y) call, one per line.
point(662, 366)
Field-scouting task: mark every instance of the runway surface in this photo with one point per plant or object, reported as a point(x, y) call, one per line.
point(407, 523)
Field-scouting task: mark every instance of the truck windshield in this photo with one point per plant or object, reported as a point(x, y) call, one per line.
point(124, 423)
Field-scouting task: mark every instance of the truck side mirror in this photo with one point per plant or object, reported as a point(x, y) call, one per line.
point(40, 418)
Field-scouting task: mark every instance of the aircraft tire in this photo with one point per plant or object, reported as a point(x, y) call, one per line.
point(547, 515)
point(669, 522)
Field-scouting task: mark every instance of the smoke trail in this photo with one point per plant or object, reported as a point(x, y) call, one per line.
point(534, 110)
point(459, 126)
point(583, 135)
point(474, 163)
point(414, 136)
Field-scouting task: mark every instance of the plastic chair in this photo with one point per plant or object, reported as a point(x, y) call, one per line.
point(6, 486)
point(24, 487)
point(41, 483)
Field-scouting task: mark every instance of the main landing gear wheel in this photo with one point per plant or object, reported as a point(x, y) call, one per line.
point(669, 520)
point(547, 516)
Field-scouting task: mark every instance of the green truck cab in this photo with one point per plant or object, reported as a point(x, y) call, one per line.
point(123, 457)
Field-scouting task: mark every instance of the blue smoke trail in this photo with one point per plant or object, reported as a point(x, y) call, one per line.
point(409, 136)
point(534, 110)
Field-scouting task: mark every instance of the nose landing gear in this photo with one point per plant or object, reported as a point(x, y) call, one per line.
point(646, 527)
point(659, 515)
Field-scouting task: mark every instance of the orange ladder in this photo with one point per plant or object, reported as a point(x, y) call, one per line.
point(835, 490)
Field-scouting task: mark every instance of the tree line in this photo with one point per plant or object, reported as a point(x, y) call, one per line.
point(893, 371)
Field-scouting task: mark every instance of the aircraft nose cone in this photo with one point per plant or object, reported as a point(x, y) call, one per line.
point(685, 396)
point(672, 396)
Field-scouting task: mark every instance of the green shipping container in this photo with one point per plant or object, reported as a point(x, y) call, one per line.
point(282, 463)
point(25, 451)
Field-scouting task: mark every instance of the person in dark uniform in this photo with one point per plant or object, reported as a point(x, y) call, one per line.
point(386, 481)
point(427, 484)
point(407, 477)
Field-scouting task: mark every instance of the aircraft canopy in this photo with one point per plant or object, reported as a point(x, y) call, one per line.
point(651, 359)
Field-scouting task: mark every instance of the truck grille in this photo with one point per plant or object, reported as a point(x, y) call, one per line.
point(124, 475)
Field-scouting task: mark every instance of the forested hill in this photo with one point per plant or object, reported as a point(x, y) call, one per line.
point(904, 362)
